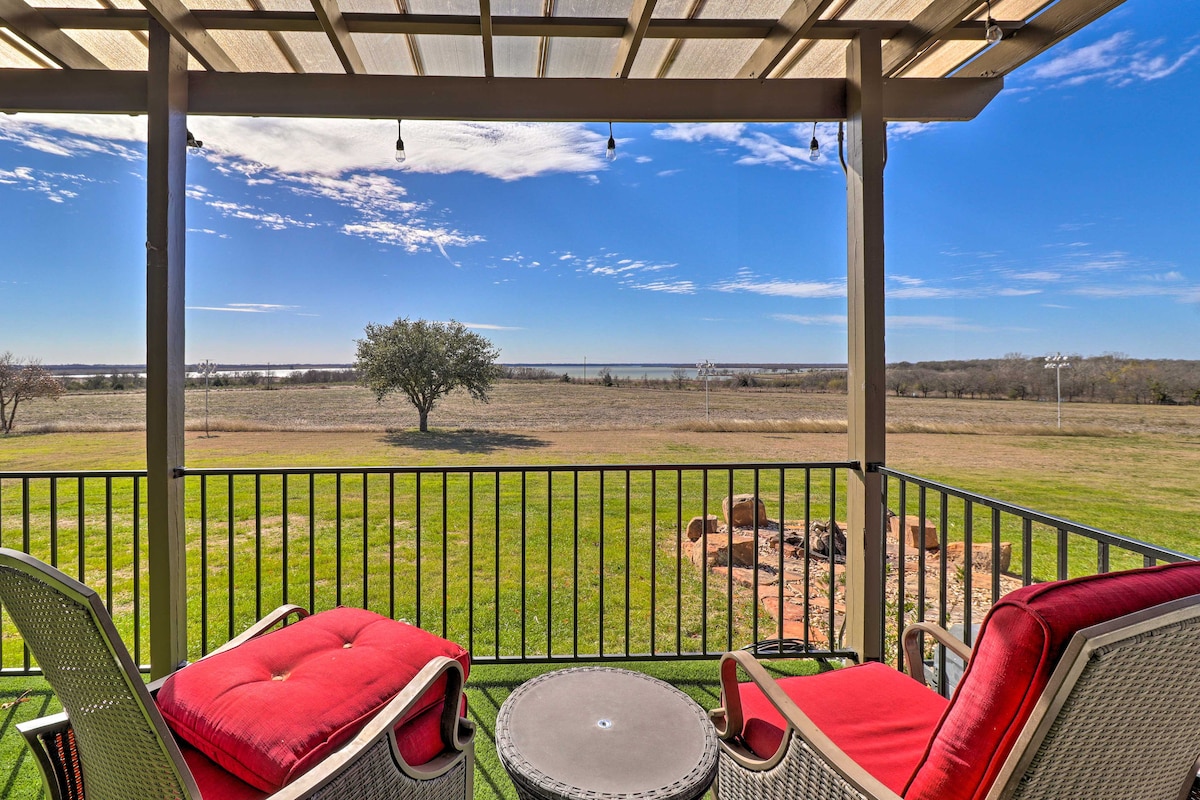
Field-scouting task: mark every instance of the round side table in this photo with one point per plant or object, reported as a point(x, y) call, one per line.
point(597, 733)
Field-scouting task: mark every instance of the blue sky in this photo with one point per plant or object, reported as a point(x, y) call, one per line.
point(1065, 218)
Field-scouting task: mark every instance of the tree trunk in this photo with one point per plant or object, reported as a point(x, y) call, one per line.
point(424, 427)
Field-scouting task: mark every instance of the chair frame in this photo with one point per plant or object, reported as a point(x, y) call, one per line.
point(807, 755)
point(374, 748)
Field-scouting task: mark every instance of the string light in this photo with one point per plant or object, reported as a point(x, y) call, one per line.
point(400, 154)
point(814, 147)
point(992, 32)
point(611, 152)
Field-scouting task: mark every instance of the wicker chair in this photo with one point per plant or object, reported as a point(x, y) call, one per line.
point(1110, 711)
point(112, 741)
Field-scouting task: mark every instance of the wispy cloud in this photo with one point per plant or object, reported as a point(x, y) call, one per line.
point(838, 320)
point(51, 185)
point(245, 308)
point(629, 272)
point(1119, 60)
point(487, 326)
point(774, 287)
point(265, 219)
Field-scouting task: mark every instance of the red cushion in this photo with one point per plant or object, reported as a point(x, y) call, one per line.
point(881, 718)
point(274, 707)
point(1019, 645)
point(215, 783)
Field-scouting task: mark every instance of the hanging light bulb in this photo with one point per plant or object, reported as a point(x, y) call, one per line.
point(992, 32)
point(400, 154)
point(814, 147)
point(611, 151)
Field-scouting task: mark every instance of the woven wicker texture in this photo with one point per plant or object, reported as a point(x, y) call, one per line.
point(1131, 725)
point(800, 775)
point(123, 753)
point(375, 776)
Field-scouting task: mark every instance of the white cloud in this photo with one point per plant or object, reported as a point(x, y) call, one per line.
point(265, 219)
point(666, 173)
point(815, 319)
point(933, 322)
point(245, 308)
point(773, 287)
point(670, 287)
point(486, 326)
point(700, 131)
point(1043, 275)
point(48, 184)
point(1118, 60)
point(411, 237)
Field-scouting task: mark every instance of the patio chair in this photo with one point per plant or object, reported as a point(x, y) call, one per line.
point(1080, 688)
point(321, 738)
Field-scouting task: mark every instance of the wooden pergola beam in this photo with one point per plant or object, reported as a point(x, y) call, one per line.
point(1043, 32)
point(925, 29)
point(175, 17)
point(485, 31)
point(515, 99)
point(166, 93)
point(866, 137)
point(329, 13)
point(440, 25)
point(43, 35)
point(795, 24)
point(631, 40)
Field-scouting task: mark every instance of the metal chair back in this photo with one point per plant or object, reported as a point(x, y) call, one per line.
point(124, 745)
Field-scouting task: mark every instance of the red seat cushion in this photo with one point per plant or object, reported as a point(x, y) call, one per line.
point(271, 709)
point(881, 718)
point(215, 783)
point(1019, 645)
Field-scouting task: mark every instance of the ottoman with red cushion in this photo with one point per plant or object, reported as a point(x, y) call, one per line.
point(272, 708)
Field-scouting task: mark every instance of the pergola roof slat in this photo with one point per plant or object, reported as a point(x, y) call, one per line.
point(33, 28)
point(187, 30)
point(334, 24)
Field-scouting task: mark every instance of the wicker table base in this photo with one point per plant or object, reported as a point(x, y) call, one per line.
point(596, 733)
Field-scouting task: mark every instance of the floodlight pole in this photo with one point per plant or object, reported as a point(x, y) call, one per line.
point(1058, 362)
point(704, 369)
point(207, 369)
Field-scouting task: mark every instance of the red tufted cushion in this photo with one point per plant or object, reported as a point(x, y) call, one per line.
point(1019, 646)
point(881, 718)
point(274, 707)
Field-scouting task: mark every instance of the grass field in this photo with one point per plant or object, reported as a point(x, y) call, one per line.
point(1128, 469)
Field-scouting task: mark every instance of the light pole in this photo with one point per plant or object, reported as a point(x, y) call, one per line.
point(207, 369)
point(704, 369)
point(1058, 362)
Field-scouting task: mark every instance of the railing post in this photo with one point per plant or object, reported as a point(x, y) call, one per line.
point(866, 143)
point(166, 182)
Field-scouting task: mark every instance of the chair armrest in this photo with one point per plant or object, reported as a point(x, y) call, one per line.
point(53, 747)
point(457, 739)
point(912, 646)
point(265, 624)
point(728, 721)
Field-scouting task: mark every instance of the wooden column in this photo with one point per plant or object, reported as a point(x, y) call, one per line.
point(165, 184)
point(865, 148)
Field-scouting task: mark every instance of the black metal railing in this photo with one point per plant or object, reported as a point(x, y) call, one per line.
point(535, 564)
point(982, 549)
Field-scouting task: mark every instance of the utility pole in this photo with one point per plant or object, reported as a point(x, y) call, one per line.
point(705, 369)
point(207, 369)
point(1058, 362)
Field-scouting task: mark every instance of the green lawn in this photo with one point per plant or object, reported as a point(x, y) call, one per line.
point(487, 688)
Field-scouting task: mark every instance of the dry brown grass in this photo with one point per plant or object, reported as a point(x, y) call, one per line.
point(527, 406)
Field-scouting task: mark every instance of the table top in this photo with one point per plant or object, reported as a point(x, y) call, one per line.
point(599, 732)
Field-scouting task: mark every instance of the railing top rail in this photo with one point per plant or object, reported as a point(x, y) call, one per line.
point(1058, 523)
point(63, 474)
point(465, 469)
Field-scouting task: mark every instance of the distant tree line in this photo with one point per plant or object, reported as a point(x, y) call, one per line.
point(1109, 378)
point(252, 378)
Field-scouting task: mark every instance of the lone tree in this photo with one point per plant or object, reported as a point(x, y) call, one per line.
point(20, 381)
point(426, 361)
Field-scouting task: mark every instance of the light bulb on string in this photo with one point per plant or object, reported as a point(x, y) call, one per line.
point(814, 147)
point(992, 32)
point(611, 151)
point(401, 156)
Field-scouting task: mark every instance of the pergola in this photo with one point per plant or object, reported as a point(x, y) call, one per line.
point(864, 62)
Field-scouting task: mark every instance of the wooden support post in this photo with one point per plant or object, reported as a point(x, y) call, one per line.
point(165, 185)
point(865, 149)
